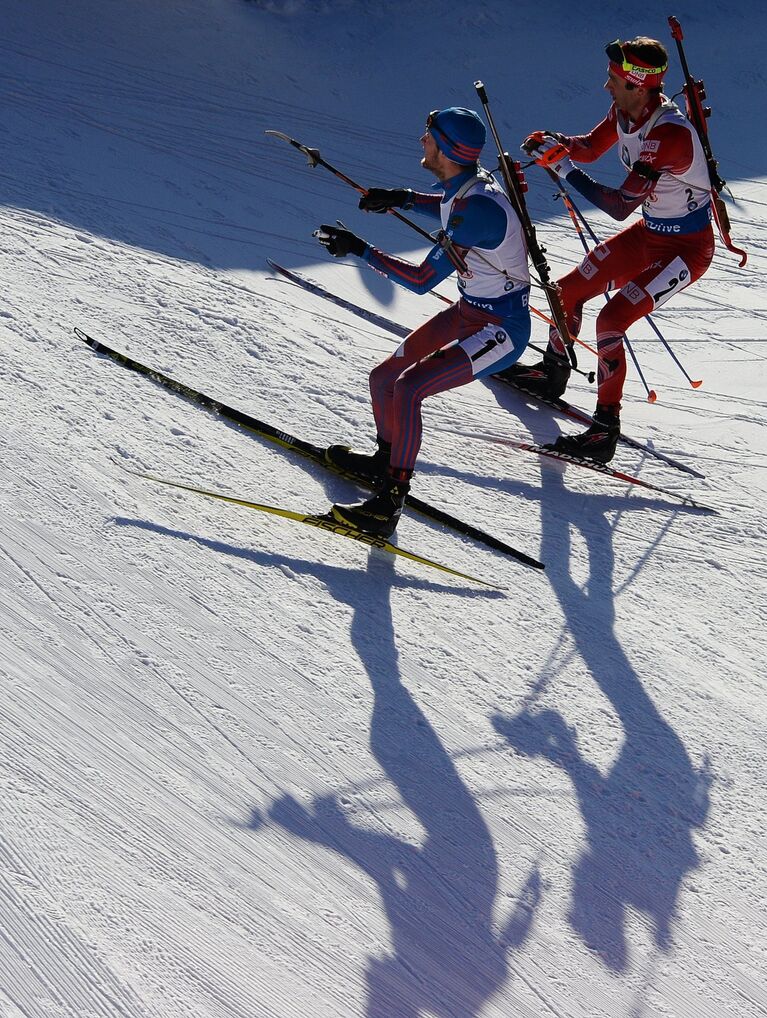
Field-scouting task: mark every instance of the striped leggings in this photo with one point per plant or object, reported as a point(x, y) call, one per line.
point(451, 349)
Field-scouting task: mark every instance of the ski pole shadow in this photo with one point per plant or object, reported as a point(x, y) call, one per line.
point(446, 959)
point(641, 813)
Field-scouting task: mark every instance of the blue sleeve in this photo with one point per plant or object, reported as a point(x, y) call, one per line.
point(477, 221)
point(417, 278)
point(617, 202)
point(425, 204)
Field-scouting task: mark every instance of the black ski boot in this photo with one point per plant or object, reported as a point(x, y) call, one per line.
point(548, 378)
point(598, 442)
point(370, 467)
point(380, 514)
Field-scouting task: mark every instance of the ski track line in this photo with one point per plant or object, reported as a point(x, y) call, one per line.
point(40, 944)
point(205, 709)
point(160, 866)
point(84, 606)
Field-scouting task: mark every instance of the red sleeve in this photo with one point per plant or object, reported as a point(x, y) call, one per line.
point(668, 148)
point(586, 148)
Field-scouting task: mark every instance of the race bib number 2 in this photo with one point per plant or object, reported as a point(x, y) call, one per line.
point(670, 280)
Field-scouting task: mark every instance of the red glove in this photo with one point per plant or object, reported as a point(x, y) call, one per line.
point(549, 151)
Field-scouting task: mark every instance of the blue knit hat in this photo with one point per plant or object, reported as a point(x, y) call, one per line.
point(458, 133)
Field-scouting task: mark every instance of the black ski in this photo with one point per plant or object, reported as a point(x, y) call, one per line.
point(576, 414)
point(319, 291)
point(565, 408)
point(315, 453)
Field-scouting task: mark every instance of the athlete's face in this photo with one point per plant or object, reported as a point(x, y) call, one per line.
point(431, 153)
point(628, 100)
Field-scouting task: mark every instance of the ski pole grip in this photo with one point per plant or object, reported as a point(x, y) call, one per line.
point(480, 87)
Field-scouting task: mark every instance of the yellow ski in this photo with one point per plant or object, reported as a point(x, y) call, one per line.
point(326, 523)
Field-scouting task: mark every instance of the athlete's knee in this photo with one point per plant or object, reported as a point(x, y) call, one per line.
point(383, 378)
point(406, 392)
point(571, 290)
point(625, 308)
point(582, 283)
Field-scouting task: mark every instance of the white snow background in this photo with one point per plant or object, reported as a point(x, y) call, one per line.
point(248, 769)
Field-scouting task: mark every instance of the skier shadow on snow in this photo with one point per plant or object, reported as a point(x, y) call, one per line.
point(446, 959)
point(640, 815)
point(333, 576)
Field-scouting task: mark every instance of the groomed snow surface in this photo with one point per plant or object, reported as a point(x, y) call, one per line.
point(248, 769)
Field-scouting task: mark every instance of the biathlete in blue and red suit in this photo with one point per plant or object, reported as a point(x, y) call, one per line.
point(484, 332)
point(653, 259)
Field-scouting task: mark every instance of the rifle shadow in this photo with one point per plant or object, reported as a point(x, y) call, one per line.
point(446, 958)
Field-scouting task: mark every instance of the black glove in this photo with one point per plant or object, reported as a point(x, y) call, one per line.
point(381, 199)
point(340, 242)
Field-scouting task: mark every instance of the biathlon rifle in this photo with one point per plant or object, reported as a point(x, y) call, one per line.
point(695, 95)
point(516, 185)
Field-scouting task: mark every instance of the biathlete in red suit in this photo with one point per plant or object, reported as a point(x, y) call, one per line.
point(485, 331)
point(649, 262)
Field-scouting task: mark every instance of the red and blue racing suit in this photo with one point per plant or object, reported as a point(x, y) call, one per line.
point(485, 331)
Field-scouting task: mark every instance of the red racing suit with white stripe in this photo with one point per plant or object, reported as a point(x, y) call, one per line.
point(658, 256)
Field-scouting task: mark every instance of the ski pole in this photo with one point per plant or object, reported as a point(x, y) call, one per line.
point(315, 159)
point(696, 383)
point(569, 203)
point(570, 206)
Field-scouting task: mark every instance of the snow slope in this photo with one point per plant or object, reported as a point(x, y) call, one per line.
point(252, 770)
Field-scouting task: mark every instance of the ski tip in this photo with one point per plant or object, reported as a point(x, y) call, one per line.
point(706, 510)
point(85, 338)
point(697, 384)
point(652, 396)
